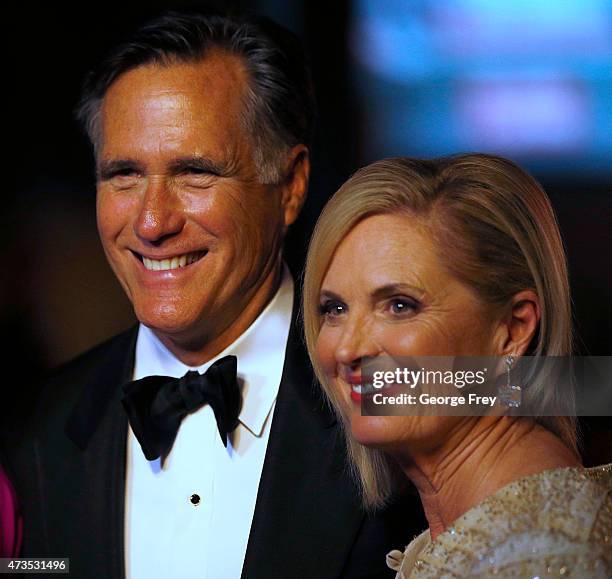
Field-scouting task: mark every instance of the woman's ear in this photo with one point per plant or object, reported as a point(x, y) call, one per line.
point(519, 324)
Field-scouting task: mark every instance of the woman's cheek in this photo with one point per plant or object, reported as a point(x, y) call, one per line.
point(326, 352)
point(395, 339)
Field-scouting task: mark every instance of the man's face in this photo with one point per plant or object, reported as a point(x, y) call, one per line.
point(190, 232)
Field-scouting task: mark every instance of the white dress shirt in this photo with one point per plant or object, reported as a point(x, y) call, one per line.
point(166, 535)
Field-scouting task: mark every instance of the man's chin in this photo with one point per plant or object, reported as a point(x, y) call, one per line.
point(167, 323)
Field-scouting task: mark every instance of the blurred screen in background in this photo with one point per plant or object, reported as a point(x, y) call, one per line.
point(531, 80)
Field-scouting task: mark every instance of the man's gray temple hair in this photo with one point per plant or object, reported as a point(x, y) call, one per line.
point(279, 107)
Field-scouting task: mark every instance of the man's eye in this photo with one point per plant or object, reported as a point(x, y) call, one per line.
point(201, 171)
point(125, 173)
point(124, 178)
point(198, 177)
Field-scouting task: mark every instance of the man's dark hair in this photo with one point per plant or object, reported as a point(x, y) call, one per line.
point(279, 104)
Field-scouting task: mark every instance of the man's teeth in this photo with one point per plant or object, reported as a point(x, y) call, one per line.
point(174, 263)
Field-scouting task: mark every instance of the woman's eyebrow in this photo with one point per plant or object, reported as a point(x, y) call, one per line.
point(330, 295)
point(395, 288)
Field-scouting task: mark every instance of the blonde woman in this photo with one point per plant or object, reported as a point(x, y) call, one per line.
point(458, 256)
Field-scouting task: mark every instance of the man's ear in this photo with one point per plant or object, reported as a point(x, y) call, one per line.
point(295, 184)
point(519, 324)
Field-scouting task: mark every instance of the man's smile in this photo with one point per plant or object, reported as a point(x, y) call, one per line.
point(170, 262)
point(173, 262)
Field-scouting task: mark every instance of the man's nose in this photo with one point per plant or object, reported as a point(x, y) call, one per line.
point(356, 342)
point(160, 213)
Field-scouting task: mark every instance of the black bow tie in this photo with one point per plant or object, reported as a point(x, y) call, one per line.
point(156, 405)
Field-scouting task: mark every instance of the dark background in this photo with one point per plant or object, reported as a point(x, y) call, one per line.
point(58, 295)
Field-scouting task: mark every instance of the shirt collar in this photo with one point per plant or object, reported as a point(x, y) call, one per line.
point(260, 351)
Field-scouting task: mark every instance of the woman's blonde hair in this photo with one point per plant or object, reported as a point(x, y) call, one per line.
point(497, 233)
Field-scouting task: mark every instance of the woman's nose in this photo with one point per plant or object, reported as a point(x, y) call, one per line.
point(160, 214)
point(356, 342)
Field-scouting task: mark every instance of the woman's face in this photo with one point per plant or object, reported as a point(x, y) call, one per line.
point(387, 293)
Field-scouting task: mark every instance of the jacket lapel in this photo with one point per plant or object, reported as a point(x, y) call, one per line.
point(306, 516)
point(98, 427)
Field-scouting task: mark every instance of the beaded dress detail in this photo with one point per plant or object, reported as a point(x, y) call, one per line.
point(557, 523)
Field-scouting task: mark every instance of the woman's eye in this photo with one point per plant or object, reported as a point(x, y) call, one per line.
point(399, 306)
point(332, 309)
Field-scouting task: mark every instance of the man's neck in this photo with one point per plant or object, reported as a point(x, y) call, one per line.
point(198, 349)
point(481, 457)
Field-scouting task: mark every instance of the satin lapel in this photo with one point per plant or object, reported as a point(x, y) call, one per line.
point(306, 516)
point(98, 426)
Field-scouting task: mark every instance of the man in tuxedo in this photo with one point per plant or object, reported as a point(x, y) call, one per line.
point(201, 128)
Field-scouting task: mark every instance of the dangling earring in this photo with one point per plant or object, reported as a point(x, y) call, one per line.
point(510, 395)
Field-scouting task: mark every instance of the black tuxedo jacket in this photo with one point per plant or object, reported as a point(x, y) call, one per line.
point(69, 471)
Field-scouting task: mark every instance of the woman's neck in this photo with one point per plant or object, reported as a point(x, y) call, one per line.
point(480, 457)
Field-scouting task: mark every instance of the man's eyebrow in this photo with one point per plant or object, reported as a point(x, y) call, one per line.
point(203, 164)
point(107, 169)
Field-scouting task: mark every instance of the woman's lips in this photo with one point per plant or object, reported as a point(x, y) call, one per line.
point(356, 394)
point(359, 391)
point(356, 389)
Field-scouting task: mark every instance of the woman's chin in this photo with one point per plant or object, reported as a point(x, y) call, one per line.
point(374, 431)
point(399, 435)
